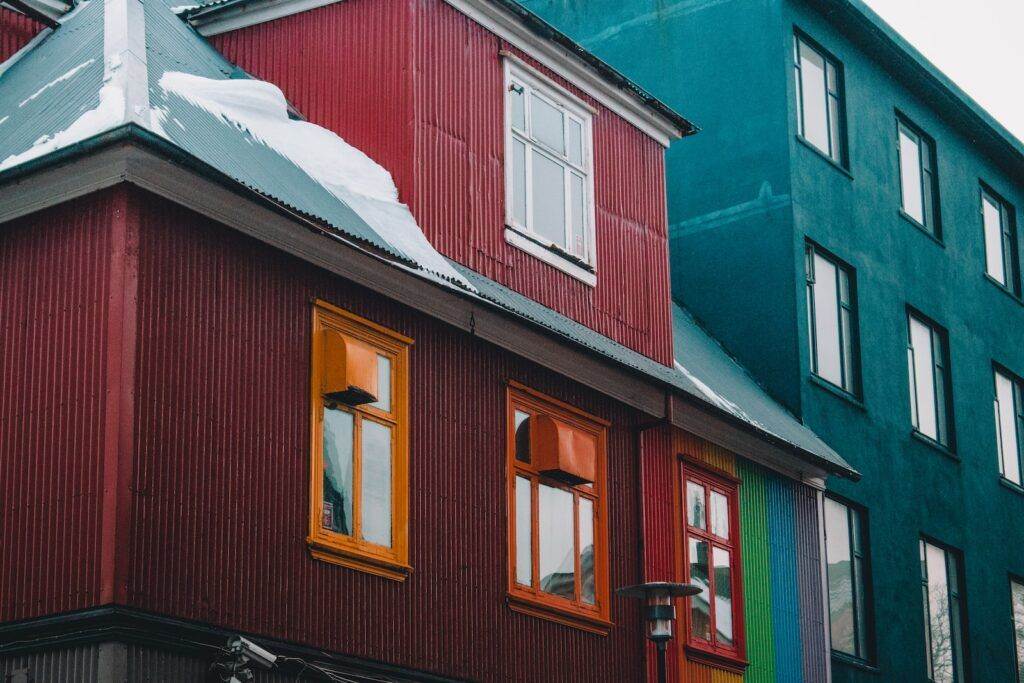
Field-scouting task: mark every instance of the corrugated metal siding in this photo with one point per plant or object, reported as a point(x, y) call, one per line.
point(78, 664)
point(757, 596)
point(782, 546)
point(687, 444)
point(426, 103)
point(53, 331)
point(812, 615)
point(221, 483)
point(15, 32)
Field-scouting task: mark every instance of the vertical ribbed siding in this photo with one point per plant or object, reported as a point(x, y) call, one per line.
point(785, 609)
point(757, 596)
point(59, 665)
point(427, 103)
point(53, 309)
point(221, 484)
point(812, 615)
point(687, 444)
point(16, 30)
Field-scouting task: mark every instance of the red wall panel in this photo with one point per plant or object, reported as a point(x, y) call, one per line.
point(15, 32)
point(221, 479)
point(54, 283)
point(418, 86)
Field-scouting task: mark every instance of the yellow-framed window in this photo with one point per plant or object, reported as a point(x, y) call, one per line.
point(359, 465)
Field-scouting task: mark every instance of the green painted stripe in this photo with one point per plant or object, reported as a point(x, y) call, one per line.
point(756, 559)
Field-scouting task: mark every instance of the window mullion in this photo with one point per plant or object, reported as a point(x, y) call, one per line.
point(840, 335)
point(577, 565)
point(535, 533)
point(357, 475)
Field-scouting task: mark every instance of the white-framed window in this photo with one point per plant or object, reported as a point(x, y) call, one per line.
point(549, 179)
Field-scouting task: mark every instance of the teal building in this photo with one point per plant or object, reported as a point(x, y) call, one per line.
point(846, 225)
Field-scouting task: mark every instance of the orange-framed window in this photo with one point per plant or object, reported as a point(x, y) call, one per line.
point(713, 621)
point(558, 535)
point(359, 469)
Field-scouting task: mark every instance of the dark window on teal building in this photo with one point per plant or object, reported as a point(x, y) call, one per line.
point(1009, 411)
point(943, 613)
point(919, 192)
point(1001, 258)
point(928, 366)
point(819, 93)
point(847, 569)
point(832, 320)
point(1017, 604)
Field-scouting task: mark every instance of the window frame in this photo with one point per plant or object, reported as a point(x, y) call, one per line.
point(524, 237)
point(1008, 239)
point(1017, 637)
point(956, 595)
point(863, 603)
point(1017, 389)
point(847, 347)
point(938, 334)
point(331, 546)
point(533, 601)
point(929, 177)
point(712, 479)
point(840, 157)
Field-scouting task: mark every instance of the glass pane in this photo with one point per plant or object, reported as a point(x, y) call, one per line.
point(939, 615)
point(557, 548)
point(910, 176)
point(826, 321)
point(835, 131)
point(548, 199)
point(587, 550)
point(376, 483)
point(548, 124)
point(383, 384)
point(723, 597)
point(576, 142)
point(812, 67)
point(928, 205)
point(522, 427)
point(696, 515)
point(518, 182)
point(924, 379)
point(700, 604)
point(524, 533)
point(840, 578)
point(719, 515)
point(517, 106)
point(1006, 429)
point(337, 502)
point(1017, 592)
point(579, 209)
point(846, 332)
point(993, 240)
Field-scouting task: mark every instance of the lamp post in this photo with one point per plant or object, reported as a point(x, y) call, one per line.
point(660, 612)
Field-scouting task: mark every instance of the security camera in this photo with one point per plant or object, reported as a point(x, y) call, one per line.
point(250, 651)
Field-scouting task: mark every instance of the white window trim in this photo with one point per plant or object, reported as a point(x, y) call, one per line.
point(520, 236)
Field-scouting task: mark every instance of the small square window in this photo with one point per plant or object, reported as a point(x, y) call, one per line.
point(919, 192)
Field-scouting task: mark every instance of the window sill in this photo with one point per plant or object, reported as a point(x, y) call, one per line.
point(824, 157)
point(1004, 289)
point(551, 256)
point(854, 663)
point(922, 227)
point(731, 663)
point(837, 391)
point(590, 622)
point(935, 445)
point(353, 558)
point(1016, 488)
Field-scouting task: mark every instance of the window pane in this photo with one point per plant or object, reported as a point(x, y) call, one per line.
point(815, 128)
point(835, 131)
point(700, 604)
point(723, 597)
point(993, 240)
point(910, 176)
point(579, 209)
point(524, 533)
point(548, 124)
point(518, 182)
point(826, 321)
point(587, 550)
point(557, 549)
point(376, 483)
point(1006, 429)
point(337, 449)
point(924, 380)
point(548, 199)
point(383, 384)
point(522, 427)
point(842, 617)
point(1017, 591)
point(719, 515)
point(575, 142)
point(517, 105)
point(695, 512)
point(939, 615)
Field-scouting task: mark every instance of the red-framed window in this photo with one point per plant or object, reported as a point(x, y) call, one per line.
point(712, 622)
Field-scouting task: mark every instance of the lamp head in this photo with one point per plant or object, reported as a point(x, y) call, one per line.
point(659, 610)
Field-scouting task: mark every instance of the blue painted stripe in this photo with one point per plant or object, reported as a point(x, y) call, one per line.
point(785, 605)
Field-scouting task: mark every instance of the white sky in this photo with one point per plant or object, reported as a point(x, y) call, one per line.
point(977, 43)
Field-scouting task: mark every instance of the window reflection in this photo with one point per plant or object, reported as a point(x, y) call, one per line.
point(524, 532)
point(719, 515)
point(700, 605)
point(696, 515)
point(1017, 595)
point(337, 448)
point(840, 578)
point(723, 597)
point(376, 483)
point(940, 584)
point(557, 549)
point(586, 525)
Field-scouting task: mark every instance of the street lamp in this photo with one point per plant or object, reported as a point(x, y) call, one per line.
point(660, 612)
